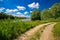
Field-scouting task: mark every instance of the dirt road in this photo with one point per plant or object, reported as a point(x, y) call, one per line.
point(30, 32)
point(47, 33)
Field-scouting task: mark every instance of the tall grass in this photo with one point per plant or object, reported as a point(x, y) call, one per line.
point(56, 31)
point(10, 29)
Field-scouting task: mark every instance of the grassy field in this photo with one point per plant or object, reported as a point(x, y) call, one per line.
point(10, 29)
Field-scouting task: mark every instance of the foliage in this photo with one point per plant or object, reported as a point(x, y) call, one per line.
point(45, 15)
point(53, 12)
point(5, 16)
point(10, 29)
point(56, 30)
point(35, 15)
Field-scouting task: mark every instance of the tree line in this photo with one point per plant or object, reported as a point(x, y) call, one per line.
point(6, 16)
point(53, 12)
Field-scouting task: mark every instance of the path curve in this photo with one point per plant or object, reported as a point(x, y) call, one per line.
point(31, 32)
point(46, 35)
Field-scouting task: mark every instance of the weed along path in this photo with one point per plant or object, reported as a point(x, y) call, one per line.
point(46, 35)
point(31, 32)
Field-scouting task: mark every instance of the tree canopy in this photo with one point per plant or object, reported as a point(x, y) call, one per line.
point(35, 15)
point(53, 12)
point(46, 14)
point(5, 16)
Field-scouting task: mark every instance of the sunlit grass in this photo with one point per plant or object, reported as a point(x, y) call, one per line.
point(56, 31)
point(10, 29)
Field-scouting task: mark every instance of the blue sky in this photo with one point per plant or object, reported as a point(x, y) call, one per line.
point(24, 7)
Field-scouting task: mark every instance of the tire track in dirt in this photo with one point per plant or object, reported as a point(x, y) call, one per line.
point(47, 33)
point(31, 32)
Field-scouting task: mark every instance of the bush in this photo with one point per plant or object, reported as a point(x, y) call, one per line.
point(35, 15)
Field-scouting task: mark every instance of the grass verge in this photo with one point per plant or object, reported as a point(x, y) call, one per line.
point(56, 31)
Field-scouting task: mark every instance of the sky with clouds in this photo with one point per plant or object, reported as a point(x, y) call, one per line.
point(23, 8)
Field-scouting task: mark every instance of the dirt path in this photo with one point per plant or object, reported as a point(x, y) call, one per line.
point(46, 35)
point(30, 32)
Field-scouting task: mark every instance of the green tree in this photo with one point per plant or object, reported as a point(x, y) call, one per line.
point(45, 14)
point(55, 10)
point(5, 16)
point(35, 15)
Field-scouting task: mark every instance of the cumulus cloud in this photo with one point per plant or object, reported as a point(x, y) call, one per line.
point(14, 10)
point(25, 13)
point(21, 7)
point(34, 5)
point(1, 9)
point(19, 13)
point(11, 10)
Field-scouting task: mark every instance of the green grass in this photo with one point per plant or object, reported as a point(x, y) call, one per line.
point(10, 29)
point(56, 31)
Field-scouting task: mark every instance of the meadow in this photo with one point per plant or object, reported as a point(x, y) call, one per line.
point(10, 29)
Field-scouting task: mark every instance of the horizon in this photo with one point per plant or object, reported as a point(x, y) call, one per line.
point(23, 8)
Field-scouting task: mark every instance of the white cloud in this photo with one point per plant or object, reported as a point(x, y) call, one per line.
point(19, 13)
point(21, 7)
point(11, 10)
point(34, 5)
point(25, 13)
point(30, 11)
point(1, 9)
point(15, 10)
